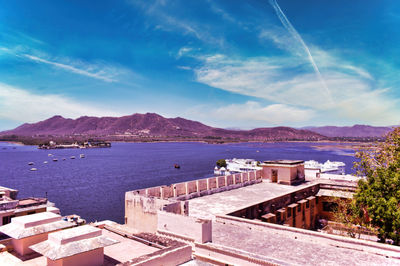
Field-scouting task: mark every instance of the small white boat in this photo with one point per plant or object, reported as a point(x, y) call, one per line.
point(49, 154)
point(72, 157)
point(33, 169)
point(45, 162)
point(30, 163)
point(82, 155)
point(55, 160)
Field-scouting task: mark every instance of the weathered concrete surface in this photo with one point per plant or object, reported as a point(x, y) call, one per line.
point(292, 248)
point(228, 201)
point(126, 249)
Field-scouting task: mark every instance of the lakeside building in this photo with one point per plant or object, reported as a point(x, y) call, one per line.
point(11, 207)
point(312, 169)
point(264, 217)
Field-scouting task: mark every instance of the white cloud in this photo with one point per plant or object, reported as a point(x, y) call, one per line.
point(184, 51)
point(96, 70)
point(285, 81)
point(88, 70)
point(20, 105)
point(276, 114)
point(165, 20)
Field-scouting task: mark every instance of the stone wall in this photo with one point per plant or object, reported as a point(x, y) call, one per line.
point(141, 211)
point(189, 227)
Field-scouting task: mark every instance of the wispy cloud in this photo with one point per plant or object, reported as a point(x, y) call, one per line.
point(271, 79)
point(184, 51)
point(275, 114)
point(102, 75)
point(286, 23)
point(96, 70)
point(166, 20)
point(20, 105)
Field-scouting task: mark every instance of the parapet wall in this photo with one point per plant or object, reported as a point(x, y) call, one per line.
point(142, 206)
point(201, 187)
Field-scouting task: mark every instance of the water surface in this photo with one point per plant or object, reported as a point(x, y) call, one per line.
point(94, 186)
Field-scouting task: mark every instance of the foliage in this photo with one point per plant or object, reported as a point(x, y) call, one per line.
point(377, 199)
point(344, 214)
point(221, 163)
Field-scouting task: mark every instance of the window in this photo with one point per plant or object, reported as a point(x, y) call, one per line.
point(289, 213)
point(32, 212)
point(299, 208)
point(316, 200)
point(307, 204)
point(6, 220)
point(329, 206)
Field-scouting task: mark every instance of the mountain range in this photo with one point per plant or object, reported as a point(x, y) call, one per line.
point(151, 126)
point(356, 131)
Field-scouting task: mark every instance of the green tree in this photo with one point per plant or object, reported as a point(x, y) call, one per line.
point(377, 199)
point(221, 163)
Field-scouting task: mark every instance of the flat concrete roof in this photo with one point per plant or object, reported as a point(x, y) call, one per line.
point(335, 193)
point(293, 248)
point(225, 202)
point(72, 241)
point(34, 224)
point(291, 162)
point(125, 250)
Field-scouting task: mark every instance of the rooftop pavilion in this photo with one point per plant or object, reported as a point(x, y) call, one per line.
point(82, 245)
point(31, 229)
point(288, 172)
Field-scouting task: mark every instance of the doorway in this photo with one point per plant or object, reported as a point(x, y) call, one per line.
point(274, 175)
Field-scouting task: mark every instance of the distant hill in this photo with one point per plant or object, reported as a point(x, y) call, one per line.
point(150, 125)
point(357, 131)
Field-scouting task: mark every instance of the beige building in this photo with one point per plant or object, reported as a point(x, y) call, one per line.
point(31, 229)
point(287, 172)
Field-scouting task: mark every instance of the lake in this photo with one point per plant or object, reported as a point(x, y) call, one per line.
point(94, 187)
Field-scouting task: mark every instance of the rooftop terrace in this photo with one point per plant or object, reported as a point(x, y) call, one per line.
point(208, 206)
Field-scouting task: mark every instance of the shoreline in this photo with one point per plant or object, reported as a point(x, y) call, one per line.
point(346, 144)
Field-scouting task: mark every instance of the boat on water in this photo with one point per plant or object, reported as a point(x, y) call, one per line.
point(55, 160)
point(177, 166)
point(33, 169)
point(235, 165)
point(329, 167)
point(82, 155)
point(31, 163)
point(45, 162)
point(72, 157)
point(49, 154)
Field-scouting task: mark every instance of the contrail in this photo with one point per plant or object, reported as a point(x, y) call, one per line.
point(286, 23)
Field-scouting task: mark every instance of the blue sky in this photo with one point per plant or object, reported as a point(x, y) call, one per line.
point(240, 64)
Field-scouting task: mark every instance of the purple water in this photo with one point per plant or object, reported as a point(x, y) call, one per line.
point(94, 187)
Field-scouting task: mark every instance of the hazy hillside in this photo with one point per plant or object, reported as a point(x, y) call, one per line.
point(353, 131)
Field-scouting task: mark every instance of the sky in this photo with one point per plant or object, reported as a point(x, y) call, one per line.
point(231, 64)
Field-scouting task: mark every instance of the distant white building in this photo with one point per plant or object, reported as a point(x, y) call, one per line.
point(237, 166)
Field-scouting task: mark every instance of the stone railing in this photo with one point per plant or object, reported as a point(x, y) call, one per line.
point(199, 187)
